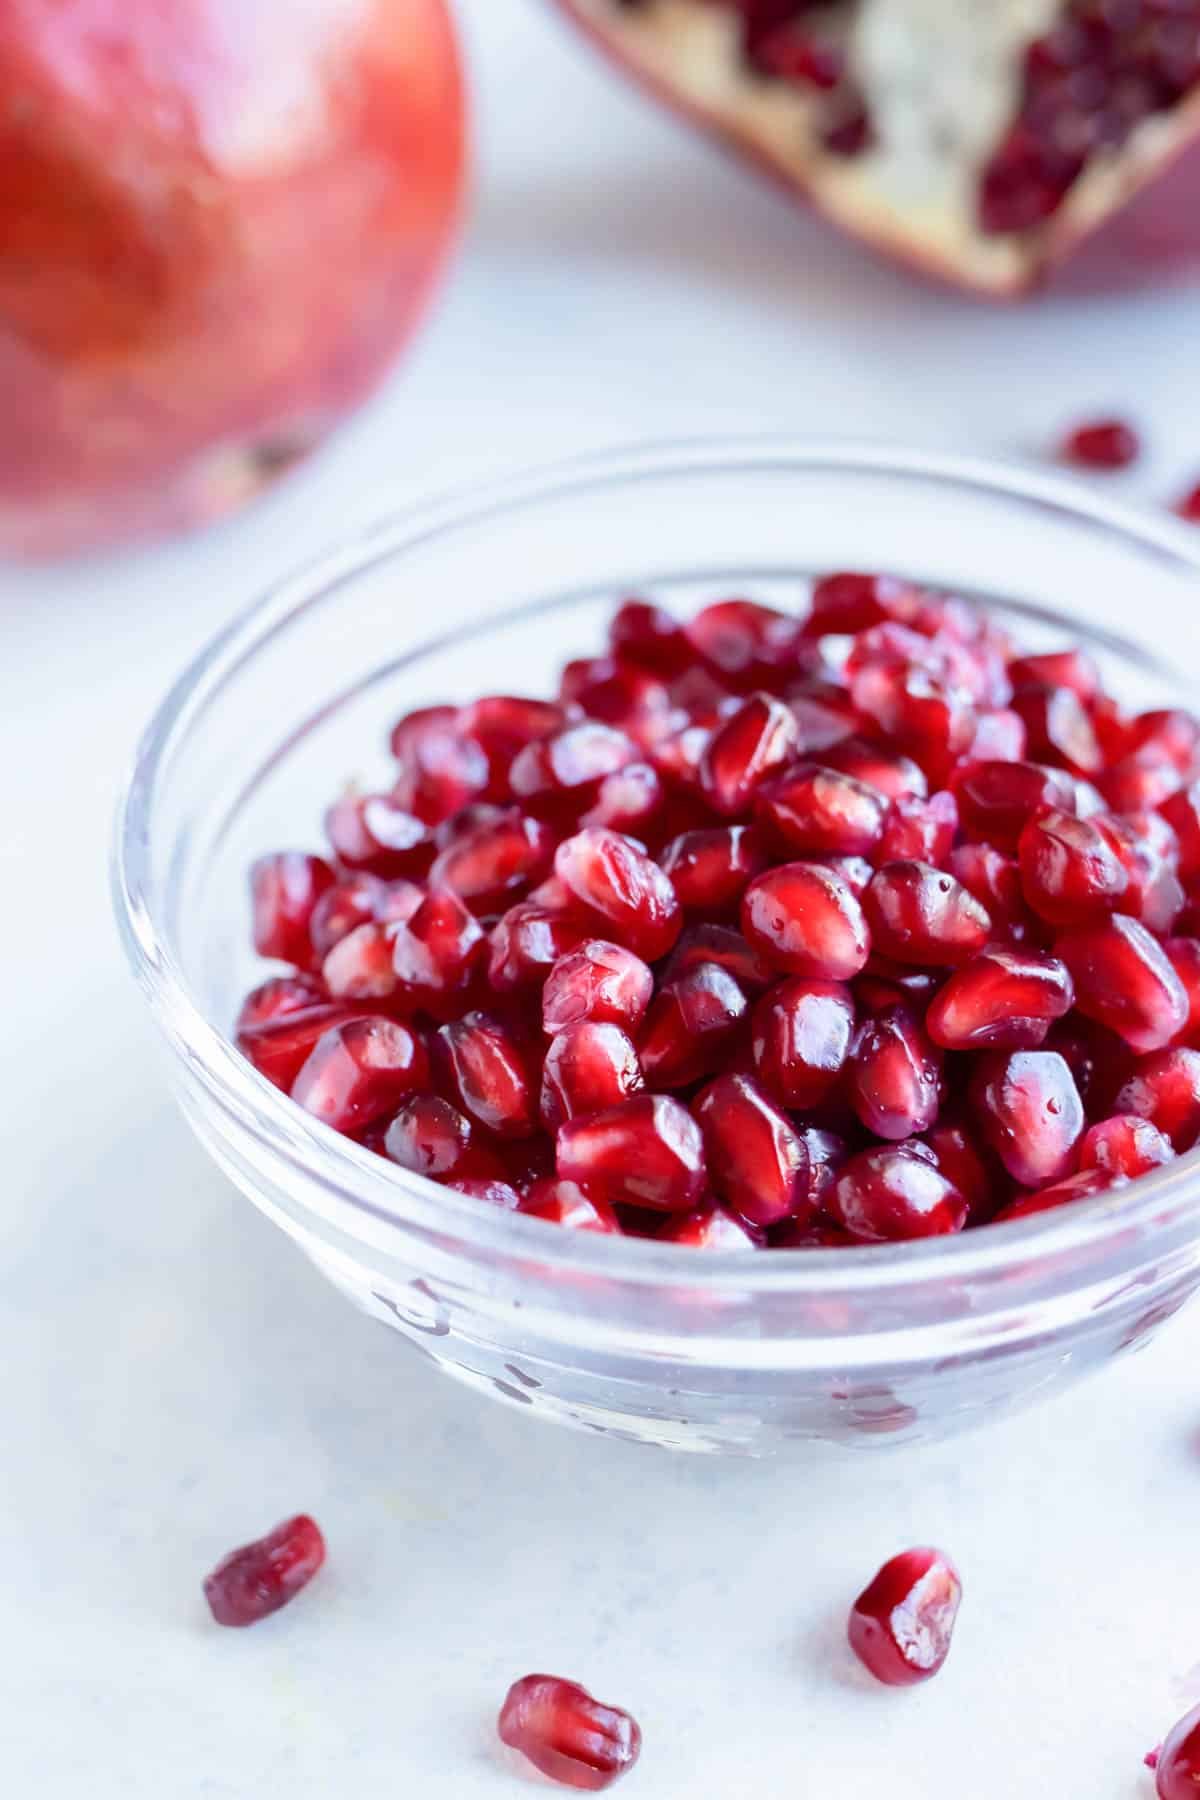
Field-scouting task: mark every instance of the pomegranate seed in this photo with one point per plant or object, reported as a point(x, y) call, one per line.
point(1169, 733)
point(826, 1154)
point(1059, 729)
point(893, 774)
point(438, 953)
point(845, 604)
point(358, 1071)
point(929, 719)
point(995, 881)
point(816, 809)
point(430, 1137)
point(902, 1624)
point(1000, 736)
point(919, 914)
point(920, 830)
point(439, 769)
point(360, 966)
point(1004, 999)
point(490, 1074)
point(491, 862)
point(802, 1034)
point(373, 833)
point(1189, 507)
point(630, 800)
point(1166, 1090)
point(251, 1583)
point(710, 869)
point(1177, 1771)
point(745, 645)
point(758, 738)
point(614, 692)
point(341, 909)
point(711, 1228)
point(566, 1203)
point(894, 1194)
point(886, 984)
point(956, 1155)
point(279, 998)
point(1183, 954)
point(1102, 444)
point(648, 636)
point(894, 1081)
point(1029, 1110)
point(284, 890)
point(588, 1068)
point(1124, 980)
point(492, 1193)
point(1069, 870)
point(1140, 782)
point(1149, 853)
point(280, 1047)
point(528, 942)
point(690, 1025)
point(426, 722)
point(567, 1735)
point(502, 725)
point(646, 1152)
point(1073, 669)
point(1182, 812)
point(1085, 1184)
point(615, 880)
point(564, 772)
point(805, 920)
point(1124, 1147)
point(599, 982)
point(719, 944)
point(996, 800)
point(757, 1160)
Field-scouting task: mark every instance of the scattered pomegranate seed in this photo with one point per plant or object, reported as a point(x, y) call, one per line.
point(1069, 871)
point(430, 1137)
point(528, 942)
point(920, 830)
point(438, 768)
point(1102, 444)
point(1029, 1110)
point(757, 1160)
point(819, 810)
point(1183, 954)
point(361, 966)
point(690, 1026)
point(646, 635)
point(438, 952)
point(901, 1626)
point(280, 1047)
point(711, 1228)
point(564, 772)
point(492, 862)
point(251, 1583)
point(758, 738)
point(1085, 1184)
point(599, 982)
point(719, 944)
point(280, 998)
point(372, 833)
point(1177, 1769)
point(746, 646)
point(646, 1152)
point(567, 1735)
point(359, 1071)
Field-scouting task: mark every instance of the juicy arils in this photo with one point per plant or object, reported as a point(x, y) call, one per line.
point(985, 144)
point(844, 974)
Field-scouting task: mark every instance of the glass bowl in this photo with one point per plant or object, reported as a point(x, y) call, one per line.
point(688, 1349)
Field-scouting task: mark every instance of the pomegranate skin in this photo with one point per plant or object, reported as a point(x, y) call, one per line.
point(164, 177)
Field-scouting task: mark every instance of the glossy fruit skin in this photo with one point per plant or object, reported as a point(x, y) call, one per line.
point(162, 313)
point(1125, 1146)
point(607, 875)
point(757, 1161)
point(1177, 1771)
point(567, 1735)
point(600, 983)
point(802, 1035)
point(1028, 1108)
point(920, 914)
point(890, 1195)
point(1004, 999)
point(902, 1624)
point(690, 1028)
point(805, 920)
point(252, 1583)
point(894, 1081)
point(588, 1067)
point(646, 1152)
point(1123, 979)
point(360, 1071)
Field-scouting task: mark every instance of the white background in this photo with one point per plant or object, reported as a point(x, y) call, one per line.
point(175, 1378)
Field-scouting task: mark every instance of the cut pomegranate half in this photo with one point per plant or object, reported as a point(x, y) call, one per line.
point(982, 145)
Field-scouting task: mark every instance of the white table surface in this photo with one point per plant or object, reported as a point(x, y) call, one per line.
point(176, 1378)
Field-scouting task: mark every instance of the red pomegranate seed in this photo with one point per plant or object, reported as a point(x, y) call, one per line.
point(340, 909)
point(711, 1228)
point(359, 1071)
point(439, 769)
point(1059, 729)
point(489, 864)
point(757, 1161)
point(567, 1735)
point(1102, 444)
point(492, 1193)
point(646, 635)
point(373, 833)
point(805, 920)
point(1183, 954)
point(1029, 1111)
point(490, 1074)
point(1000, 736)
point(1182, 812)
point(1177, 1770)
point(618, 693)
point(1069, 871)
point(502, 725)
point(279, 998)
point(847, 603)
point(1140, 782)
point(1004, 999)
point(646, 1152)
point(995, 881)
point(616, 881)
point(1148, 850)
point(430, 1137)
point(745, 645)
point(360, 966)
point(719, 944)
point(1166, 1090)
point(901, 1625)
point(588, 1068)
point(929, 719)
point(564, 772)
point(894, 1194)
point(280, 1047)
point(894, 1082)
point(251, 1583)
point(876, 765)
point(1085, 1184)
point(284, 890)
point(919, 914)
point(1124, 980)
point(996, 800)
point(792, 55)
point(819, 810)
point(1074, 669)
point(1124, 1147)
point(956, 1154)
point(920, 830)
point(1189, 507)
point(1169, 733)
point(427, 721)
point(528, 942)
point(438, 953)
point(709, 869)
point(758, 738)
point(566, 1203)
point(802, 1033)
point(599, 982)
point(690, 1025)
point(630, 800)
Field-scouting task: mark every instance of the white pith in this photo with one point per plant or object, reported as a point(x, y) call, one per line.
point(942, 79)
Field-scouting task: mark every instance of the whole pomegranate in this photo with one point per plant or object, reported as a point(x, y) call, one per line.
point(218, 223)
point(984, 144)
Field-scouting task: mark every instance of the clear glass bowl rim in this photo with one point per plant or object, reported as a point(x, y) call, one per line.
point(357, 1181)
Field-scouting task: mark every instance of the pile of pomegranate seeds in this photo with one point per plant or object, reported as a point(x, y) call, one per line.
point(567, 1735)
point(251, 1583)
point(849, 926)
